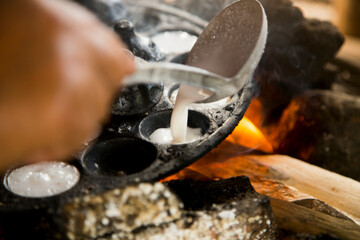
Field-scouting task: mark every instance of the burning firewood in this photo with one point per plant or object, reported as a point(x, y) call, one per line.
point(304, 198)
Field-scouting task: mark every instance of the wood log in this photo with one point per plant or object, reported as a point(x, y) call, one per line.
point(304, 198)
point(308, 198)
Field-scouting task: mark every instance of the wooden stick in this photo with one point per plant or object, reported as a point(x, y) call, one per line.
point(304, 198)
point(312, 199)
point(338, 191)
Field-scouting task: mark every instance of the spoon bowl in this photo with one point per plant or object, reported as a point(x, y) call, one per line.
point(223, 58)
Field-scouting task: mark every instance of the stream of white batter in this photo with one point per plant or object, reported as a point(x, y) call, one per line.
point(179, 132)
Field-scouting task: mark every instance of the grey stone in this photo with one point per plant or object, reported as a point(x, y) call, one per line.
point(119, 210)
point(225, 209)
point(295, 54)
point(323, 127)
point(347, 78)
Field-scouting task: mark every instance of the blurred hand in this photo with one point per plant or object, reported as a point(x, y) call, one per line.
point(59, 71)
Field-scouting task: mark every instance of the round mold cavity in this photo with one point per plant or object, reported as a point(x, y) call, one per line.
point(146, 20)
point(42, 179)
point(137, 99)
point(162, 120)
point(119, 156)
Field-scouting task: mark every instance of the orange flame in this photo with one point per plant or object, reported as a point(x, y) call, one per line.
point(248, 135)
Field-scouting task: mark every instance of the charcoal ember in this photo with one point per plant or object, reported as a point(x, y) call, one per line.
point(322, 127)
point(295, 53)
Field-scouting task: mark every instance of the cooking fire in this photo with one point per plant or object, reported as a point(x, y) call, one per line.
point(240, 122)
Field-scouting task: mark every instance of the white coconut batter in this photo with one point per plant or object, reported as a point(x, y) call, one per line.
point(42, 179)
point(163, 135)
point(186, 95)
point(174, 42)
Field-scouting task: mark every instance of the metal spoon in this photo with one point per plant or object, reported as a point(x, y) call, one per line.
point(223, 58)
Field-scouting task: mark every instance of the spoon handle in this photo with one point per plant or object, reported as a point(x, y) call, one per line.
point(170, 73)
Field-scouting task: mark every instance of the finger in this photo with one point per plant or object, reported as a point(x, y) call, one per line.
point(113, 61)
point(112, 56)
